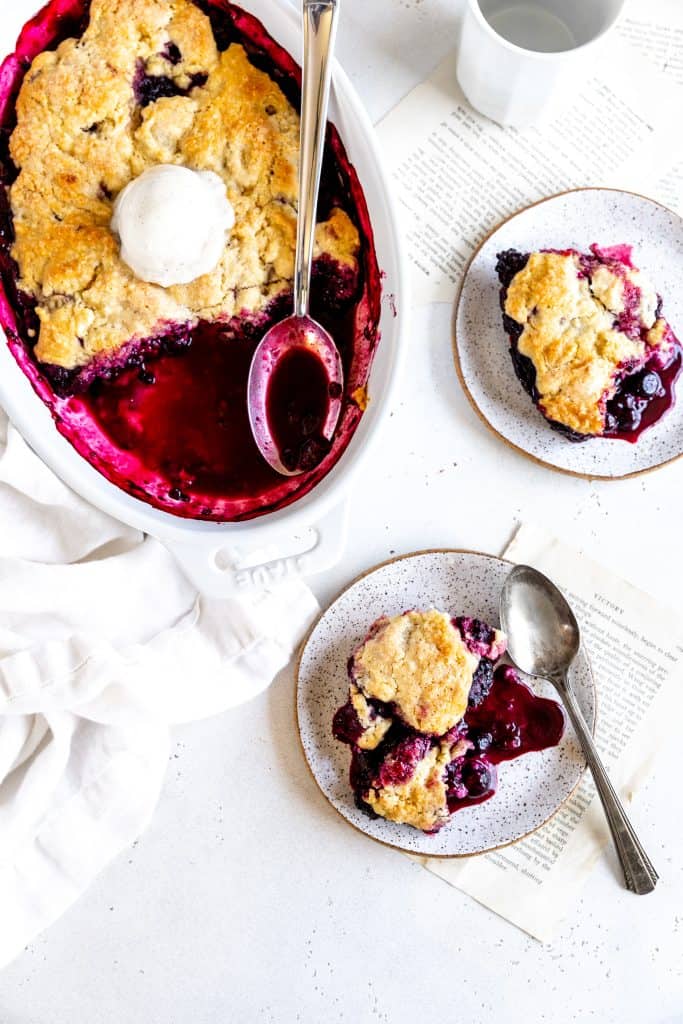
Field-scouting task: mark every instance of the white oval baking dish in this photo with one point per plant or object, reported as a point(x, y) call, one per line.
point(309, 535)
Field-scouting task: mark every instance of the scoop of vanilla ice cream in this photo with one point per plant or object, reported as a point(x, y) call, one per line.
point(172, 223)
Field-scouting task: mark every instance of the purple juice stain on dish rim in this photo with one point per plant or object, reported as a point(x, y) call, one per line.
point(355, 330)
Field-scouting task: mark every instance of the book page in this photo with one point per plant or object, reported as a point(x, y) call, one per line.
point(659, 38)
point(457, 174)
point(636, 651)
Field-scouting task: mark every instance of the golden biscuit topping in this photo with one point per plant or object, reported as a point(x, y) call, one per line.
point(91, 118)
point(420, 662)
point(571, 334)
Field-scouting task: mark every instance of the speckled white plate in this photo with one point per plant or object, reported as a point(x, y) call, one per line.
point(530, 789)
point(573, 219)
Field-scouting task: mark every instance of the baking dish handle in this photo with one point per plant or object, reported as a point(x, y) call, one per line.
point(223, 570)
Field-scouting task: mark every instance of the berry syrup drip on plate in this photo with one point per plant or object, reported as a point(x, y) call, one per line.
point(510, 721)
point(643, 398)
point(505, 720)
point(167, 422)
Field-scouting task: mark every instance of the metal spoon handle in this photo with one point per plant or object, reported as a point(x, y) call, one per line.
point(320, 29)
point(639, 873)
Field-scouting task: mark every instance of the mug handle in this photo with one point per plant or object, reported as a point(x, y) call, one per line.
point(221, 570)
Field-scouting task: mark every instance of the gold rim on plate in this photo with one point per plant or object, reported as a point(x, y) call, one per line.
point(456, 355)
point(297, 673)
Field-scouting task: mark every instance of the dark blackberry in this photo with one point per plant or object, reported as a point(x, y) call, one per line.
point(509, 263)
point(476, 777)
point(526, 372)
point(346, 726)
point(481, 740)
point(453, 779)
point(512, 328)
point(64, 382)
point(363, 770)
point(481, 683)
point(150, 88)
point(477, 630)
point(334, 287)
point(172, 53)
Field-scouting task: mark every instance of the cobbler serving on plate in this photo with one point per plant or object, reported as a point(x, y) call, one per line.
point(588, 340)
point(145, 369)
point(430, 714)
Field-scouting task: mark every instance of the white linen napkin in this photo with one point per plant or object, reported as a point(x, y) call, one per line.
point(103, 646)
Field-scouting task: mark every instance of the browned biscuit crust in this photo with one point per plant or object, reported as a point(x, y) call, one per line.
point(82, 135)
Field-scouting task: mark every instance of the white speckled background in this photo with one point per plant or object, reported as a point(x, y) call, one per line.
point(248, 901)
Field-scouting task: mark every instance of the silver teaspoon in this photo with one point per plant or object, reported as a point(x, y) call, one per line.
point(300, 331)
point(543, 640)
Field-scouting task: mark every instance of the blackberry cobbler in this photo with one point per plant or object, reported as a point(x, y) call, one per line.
point(148, 381)
point(429, 716)
point(588, 340)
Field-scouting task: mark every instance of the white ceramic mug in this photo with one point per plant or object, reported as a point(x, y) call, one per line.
point(518, 59)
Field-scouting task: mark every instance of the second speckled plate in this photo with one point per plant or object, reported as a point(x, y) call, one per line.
point(530, 789)
point(482, 351)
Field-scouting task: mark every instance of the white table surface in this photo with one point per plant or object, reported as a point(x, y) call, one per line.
point(248, 899)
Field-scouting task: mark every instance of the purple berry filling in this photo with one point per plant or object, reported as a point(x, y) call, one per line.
point(481, 682)
point(346, 725)
point(171, 53)
point(150, 88)
point(164, 418)
point(478, 635)
point(469, 780)
point(504, 720)
point(398, 765)
point(642, 395)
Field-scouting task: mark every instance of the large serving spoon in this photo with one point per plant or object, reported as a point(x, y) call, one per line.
point(543, 640)
point(299, 333)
